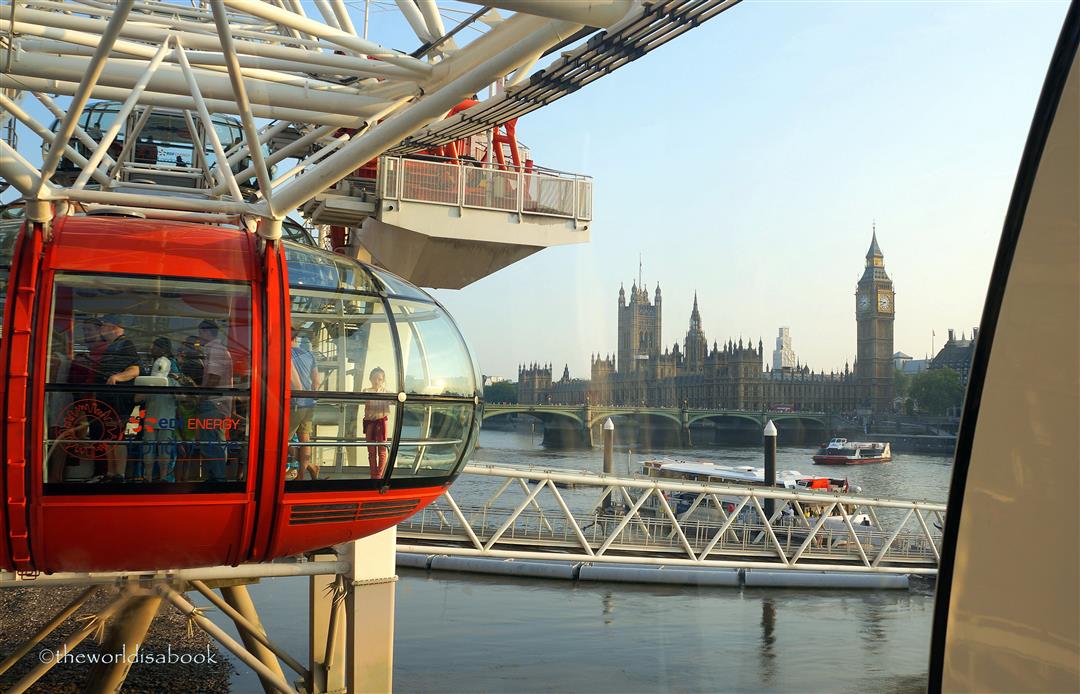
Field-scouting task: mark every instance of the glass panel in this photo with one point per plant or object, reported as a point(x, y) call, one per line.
point(338, 439)
point(309, 267)
point(292, 230)
point(397, 286)
point(137, 366)
point(339, 341)
point(152, 434)
point(435, 359)
point(433, 438)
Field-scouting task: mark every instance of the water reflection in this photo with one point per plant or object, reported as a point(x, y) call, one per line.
point(608, 602)
point(459, 632)
point(768, 625)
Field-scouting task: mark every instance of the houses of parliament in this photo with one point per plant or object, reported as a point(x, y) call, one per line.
point(731, 375)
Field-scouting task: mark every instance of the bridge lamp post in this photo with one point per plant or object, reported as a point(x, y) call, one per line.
point(770, 464)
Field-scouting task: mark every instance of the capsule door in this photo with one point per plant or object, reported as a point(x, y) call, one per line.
point(146, 411)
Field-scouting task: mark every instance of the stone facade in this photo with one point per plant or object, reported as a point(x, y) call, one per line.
point(726, 376)
point(957, 355)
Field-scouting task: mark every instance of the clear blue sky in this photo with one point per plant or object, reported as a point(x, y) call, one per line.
point(747, 161)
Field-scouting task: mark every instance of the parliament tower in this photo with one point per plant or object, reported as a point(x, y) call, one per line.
point(874, 312)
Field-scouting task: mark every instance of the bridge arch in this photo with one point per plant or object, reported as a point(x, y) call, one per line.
point(544, 414)
point(801, 428)
point(699, 416)
point(598, 416)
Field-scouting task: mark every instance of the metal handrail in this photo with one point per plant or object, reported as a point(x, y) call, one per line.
point(444, 182)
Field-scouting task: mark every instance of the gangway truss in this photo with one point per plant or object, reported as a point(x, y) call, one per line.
point(511, 512)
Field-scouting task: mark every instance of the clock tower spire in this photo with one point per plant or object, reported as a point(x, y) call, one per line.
point(875, 310)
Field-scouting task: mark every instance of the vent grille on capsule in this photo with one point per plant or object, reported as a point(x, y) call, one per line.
point(348, 512)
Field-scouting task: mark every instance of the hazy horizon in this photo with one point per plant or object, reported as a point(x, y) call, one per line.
point(749, 160)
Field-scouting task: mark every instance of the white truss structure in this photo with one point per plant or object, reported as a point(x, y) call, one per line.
point(631, 520)
point(342, 98)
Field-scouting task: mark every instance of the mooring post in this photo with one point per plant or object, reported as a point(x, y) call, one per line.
point(369, 610)
point(609, 447)
point(770, 464)
point(609, 457)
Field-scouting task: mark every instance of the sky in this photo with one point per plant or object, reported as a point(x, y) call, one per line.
point(748, 161)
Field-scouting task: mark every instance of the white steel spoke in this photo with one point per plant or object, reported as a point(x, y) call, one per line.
point(121, 116)
point(70, 152)
point(311, 70)
point(224, 173)
point(79, 133)
point(82, 95)
point(251, 132)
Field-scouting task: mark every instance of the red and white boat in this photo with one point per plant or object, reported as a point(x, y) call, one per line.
point(843, 452)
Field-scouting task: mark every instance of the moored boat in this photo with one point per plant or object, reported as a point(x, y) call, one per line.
point(685, 503)
point(840, 451)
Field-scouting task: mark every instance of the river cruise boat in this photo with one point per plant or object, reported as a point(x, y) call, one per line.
point(843, 452)
point(710, 473)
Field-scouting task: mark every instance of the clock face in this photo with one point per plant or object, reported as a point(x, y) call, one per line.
point(884, 302)
point(864, 302)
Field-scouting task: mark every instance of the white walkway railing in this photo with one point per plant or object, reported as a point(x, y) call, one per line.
point(486, 186)
point(530, 513)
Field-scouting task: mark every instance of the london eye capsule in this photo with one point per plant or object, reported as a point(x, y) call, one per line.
point(177, 394)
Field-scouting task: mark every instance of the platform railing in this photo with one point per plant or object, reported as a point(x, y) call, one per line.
point(486, 186)
point(533, 513)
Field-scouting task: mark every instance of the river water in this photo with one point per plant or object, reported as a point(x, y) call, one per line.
point(473, 633)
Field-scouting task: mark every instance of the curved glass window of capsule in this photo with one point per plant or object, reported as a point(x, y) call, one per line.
point(435, 359)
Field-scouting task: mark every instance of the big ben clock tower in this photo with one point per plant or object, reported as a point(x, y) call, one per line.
point(875, 308)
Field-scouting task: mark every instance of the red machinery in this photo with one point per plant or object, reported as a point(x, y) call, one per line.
point(218, 457)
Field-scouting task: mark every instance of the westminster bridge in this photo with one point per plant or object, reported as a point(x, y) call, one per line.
point(674, 426)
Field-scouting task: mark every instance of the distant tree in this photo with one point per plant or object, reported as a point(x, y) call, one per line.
point(902, 383)
point(503, 391)
point(937, 390)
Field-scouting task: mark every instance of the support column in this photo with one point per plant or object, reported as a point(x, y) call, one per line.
point(684, 427)
point(324, 677)
point(126, 635)
point(369, 609)
point(237, 597)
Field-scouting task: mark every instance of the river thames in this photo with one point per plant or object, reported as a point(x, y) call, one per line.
point(472, 633)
